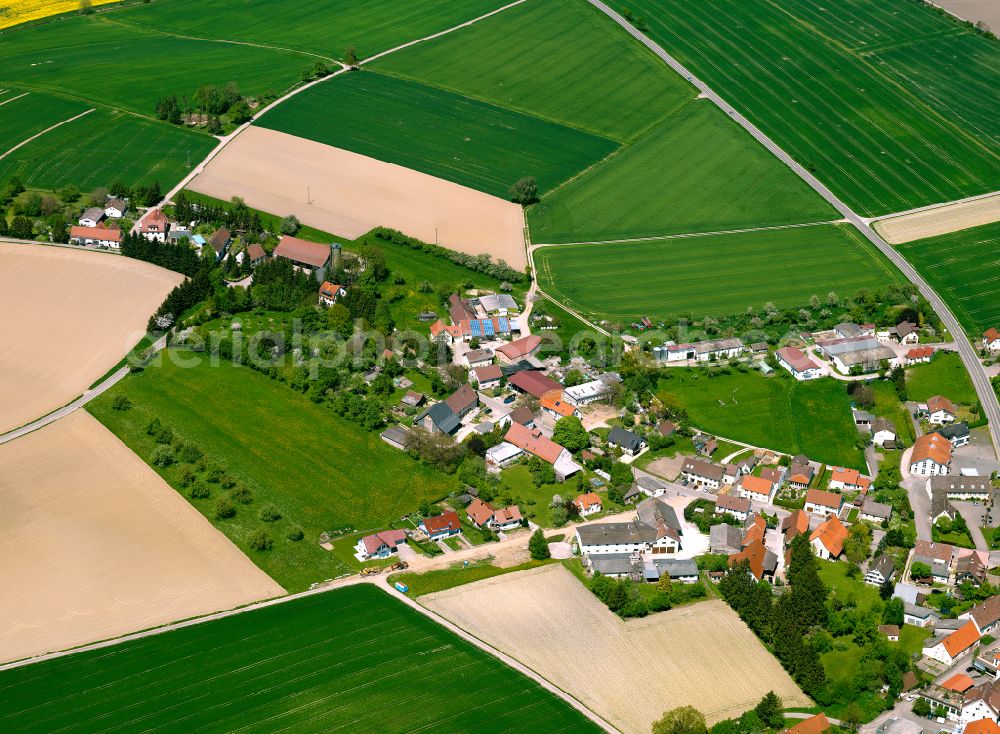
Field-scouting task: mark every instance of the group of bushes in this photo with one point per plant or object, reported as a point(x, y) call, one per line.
point(628, 598)
point(200, 478)
point(479, 263)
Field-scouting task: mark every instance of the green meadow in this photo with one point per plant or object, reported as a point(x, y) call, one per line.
point(353, 659)
point(320, 471)
point(441, 133)
point(711, 275)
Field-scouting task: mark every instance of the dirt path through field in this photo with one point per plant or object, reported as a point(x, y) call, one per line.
point(627, 672)
point(939, 220)
point(67, 316)
point(95, 544)
point(350, 194)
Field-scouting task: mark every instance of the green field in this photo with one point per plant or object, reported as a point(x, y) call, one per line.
point(943, 375)
point(964, 268)
point(96, 59)
point(352, 659)
point(438, 132)
point(320, 471)
point(107, 146)
point(314, 26)
point(519, 59)
point(811, 418)
point(711, 275)
point(695, 172)
point(27, 114)
point(878, 145)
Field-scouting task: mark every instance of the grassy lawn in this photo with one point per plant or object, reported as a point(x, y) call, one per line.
point(725, 449)
point(719, 178)
point(345, 658)
point(887, 405)
point(85, 57)
point(316, 26)
point(912, 638)
point(834, 576)
point(519, 59)
point(811, 417)
point(319, 471)
point(962, 540)
point(457, 138)
point(456, 575)
point(516, 481)
point(670, 277)
point(943, 375)
point(100, 148)
point(881, 146)
point(959, 266)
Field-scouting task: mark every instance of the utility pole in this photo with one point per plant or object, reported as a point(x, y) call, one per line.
point(308, 195)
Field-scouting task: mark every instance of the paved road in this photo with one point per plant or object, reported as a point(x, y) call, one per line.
point(106, 384)
point(963, 346)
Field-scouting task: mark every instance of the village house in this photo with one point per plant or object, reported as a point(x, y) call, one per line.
point(725, 539)
point(96, 237)
point(488, 376)
point(940, 410)
point(380, 545)
point(801, 473)
point(91, 217)
point(552, 403)
point(655, 530)
point(459, 309)
point(883, 432)
point(329, 293)
point(947, 648)
point(813, 725)
point(630, 443)
point(154, 226)
point(523, 417)
point(820, 502)
point(506, 518)
point(441, 526)
point(463, 400)
point(730, 504)
point(756, 489)
point(794, 525)
point(931, 455)
point(533, 442)
point(880, 570)
point(115, 208)
point(937, 556)
point(849, 480)
point(310, 257)
point(875, 512)
point(220, 240)
point(962, 488)
point(985, 615)
point(438, 418)
point(798, 363)
point(905, 332)
point(991, 340)
point(588, 504)
point(864, 352)
point(891, 632)
point(761, 562)
point(828, 539)
point(957, 433)
point(519, 349)
point(702, 473)
point(256, 254)
point(477, 358)
point(533, 383)
point(918, 355)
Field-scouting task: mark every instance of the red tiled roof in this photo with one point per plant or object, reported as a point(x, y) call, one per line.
point(920, 352)
point(959, 682)
point(931, 446)
point(757, 485)
point(795, 358)
point(308, 253)
point(96, 233)
point(479, 512)
point(391, 538)
point(532, 441)
point(533, 382)
point(445, 521)
point(520, 347)
point(552, 400)
point(982, 726)
point(832, 535)
point(991, 334)
point(488, 373)
point(586, 501)
point(823, 499)
point(813, 725)
point(961, 639)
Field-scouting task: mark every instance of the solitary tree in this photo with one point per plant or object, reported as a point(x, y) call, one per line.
point(351, 56)
point(86, 7)
point(681, 720)
point(539, 546)
point(570, 434)
point(525, 191)
point(769, 710)
point(290, 224)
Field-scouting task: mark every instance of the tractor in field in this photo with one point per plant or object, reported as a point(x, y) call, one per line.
point(399, 566)
point(370, 571)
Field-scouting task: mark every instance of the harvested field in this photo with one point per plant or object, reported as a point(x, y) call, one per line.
point(940, 220)
point(701, 655)
point(68, 316)
point(351, 194)
point(987, 11)
point(96, 545)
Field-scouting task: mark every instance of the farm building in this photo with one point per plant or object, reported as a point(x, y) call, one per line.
point(438, 418)
point(501, 304)
point(503, 454)
point(798, 363)
point(312, 257)
point(115, 208)
point(533, 382)
point(397, 437)
point(655, 530)
point(883, 431)
point(519, 349)
point(91, 217)
point(552, 403)
point(96, 237)
point(864, 352)
point(589, 392)
point(705, 351)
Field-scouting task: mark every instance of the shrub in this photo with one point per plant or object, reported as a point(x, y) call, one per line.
point(121, 403)
point(224, 509)
point(295, 534)
point(215, 475)
point(200, 491)
point(241, 494)
point(163, 456)
point(190, 454)
point(270, 514)
point(259, 540)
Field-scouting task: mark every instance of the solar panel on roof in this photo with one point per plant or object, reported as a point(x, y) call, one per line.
point(488, 328)
point(504, 324)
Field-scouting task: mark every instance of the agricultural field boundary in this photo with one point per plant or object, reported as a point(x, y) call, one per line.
point(939, 219)
point(25, 94)
point(689, 235)
point(970, 358)
point(48, 129)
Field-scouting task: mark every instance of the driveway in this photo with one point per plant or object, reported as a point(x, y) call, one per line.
point(973, 516)
point(920, 497)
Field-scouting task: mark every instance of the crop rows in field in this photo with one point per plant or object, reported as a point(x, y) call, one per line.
point(711, 275)
point(879, 147)
point(353, 659)
point(964, 267)
point(26, 114)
